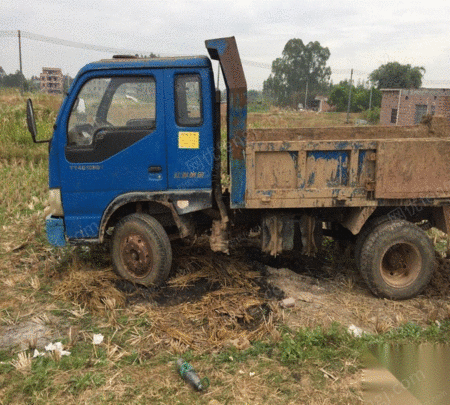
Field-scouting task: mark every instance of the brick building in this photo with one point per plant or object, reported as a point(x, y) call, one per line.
point(52, 80)
point(408, 106)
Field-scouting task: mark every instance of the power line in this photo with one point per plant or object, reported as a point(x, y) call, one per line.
point(72, 44)
point(107, 49)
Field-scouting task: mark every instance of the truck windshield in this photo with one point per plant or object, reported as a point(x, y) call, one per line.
point(111, 103)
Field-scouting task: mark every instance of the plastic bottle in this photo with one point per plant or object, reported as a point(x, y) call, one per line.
point(188, 373)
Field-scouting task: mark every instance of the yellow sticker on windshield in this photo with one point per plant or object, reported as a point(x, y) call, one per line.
point(188, 140)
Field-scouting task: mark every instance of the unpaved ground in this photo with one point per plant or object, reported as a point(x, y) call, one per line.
point(330, 289)
point(237, 292)
point(322, 302)
point(211, 302)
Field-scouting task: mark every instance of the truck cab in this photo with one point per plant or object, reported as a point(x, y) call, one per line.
point(131, 127)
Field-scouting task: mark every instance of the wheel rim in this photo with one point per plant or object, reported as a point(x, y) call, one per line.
point(137, 255)
point(400, 264)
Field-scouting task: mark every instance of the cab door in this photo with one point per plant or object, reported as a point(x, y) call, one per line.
point(114, 143)
point(189, 130)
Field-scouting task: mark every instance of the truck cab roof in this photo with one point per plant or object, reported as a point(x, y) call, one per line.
point(127, 62)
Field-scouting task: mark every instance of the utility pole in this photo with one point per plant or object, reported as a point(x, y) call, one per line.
point(306, 93)
point(349, 96)
point(370, 98)
point(20, 63)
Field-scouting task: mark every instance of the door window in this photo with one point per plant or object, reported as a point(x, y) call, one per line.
point(112, 103)
point(188, 105)
point(108, 116)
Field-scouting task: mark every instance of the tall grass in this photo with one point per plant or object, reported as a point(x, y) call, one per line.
point(15, 140)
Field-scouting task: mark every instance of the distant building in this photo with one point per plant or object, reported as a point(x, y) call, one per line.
point(52, 80)
point(2, 73)
point(408, 106)
point(35, 83)
point(322, 104)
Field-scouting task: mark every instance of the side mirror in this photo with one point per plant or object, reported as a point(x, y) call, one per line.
point(31, 123)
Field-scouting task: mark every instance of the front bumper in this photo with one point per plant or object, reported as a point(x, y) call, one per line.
point(55, 231)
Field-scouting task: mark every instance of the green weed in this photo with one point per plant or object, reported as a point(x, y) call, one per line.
point(85, 381)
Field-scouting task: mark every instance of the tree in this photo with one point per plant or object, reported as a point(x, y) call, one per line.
point(394, 75)
point(360, 97)
point(14, 80)
point(300, 66)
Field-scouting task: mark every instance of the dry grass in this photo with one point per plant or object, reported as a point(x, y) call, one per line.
point(231, 310)
point(22, 363)
point(93, 289)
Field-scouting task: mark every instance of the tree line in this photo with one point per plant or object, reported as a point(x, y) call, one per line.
point(14, 80)
point(301, 74)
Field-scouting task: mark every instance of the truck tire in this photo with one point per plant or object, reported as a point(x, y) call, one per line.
point(397, 260)
point(141, 250)
point(366, 230)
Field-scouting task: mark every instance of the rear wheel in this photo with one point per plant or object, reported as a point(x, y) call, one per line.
point(141, 251)
point(367, 229)
point(397, 260)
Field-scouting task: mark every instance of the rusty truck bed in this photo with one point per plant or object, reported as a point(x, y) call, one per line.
point(348, 166)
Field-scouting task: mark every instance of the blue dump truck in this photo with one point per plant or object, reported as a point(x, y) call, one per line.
point(135, 161)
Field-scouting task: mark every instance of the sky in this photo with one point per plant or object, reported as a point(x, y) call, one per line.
point(360, 34)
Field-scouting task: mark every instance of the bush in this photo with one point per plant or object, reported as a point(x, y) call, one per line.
point(373, 115)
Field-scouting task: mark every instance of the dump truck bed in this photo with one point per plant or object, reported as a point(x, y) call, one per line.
point(348, 166)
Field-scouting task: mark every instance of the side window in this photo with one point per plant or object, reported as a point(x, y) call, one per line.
point(114, 103)
point(188, 102)
point(133, 104)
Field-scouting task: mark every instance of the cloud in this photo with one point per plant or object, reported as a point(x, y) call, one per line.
point(359, 34)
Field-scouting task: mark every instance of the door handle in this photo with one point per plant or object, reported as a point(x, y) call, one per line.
point(155, 169)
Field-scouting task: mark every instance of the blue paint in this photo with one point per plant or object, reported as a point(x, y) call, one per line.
point(219, 44)
point(342, 145)
point(334, 157)
point(238, 182)
point(294, 157)
point(86, 192)
point(237, 124)
point(285, 146)
point(311, 179)
point(157, 63)
point(55, 231)
point(362, 159)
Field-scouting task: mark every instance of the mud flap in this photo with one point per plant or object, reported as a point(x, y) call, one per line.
point(277, 234)
point(55, 231)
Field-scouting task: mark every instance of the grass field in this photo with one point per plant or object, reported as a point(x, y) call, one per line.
point(230, 331)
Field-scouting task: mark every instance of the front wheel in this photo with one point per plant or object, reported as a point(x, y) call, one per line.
point(141, 251)
point(397, 260)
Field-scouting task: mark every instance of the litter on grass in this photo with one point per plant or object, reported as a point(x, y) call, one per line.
point(97, 339)
point(57, 347)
